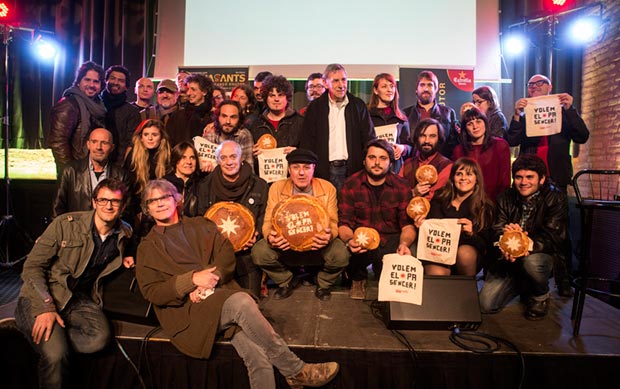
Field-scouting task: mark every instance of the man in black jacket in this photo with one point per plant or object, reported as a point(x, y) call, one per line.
point(534, 206)
point(336, 128)
point(426, 107)
point(234, 180)
point(75, 115)
point(79, 178)
point(122, 118)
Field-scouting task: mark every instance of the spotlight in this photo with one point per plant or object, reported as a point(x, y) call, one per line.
point(584, 30)
point(44, 49)
point(514, 44)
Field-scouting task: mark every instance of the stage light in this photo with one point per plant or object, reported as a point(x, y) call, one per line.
point(44, 49)
point(584, 30)
point(514, 44)
point(558, 5)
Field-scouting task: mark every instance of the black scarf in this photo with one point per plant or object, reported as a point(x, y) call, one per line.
point(231, 191)
point(92, 109)
point(113, 101)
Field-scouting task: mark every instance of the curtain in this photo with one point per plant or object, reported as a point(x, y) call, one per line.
point(108, 32)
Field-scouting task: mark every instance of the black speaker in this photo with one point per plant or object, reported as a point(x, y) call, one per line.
point(447, 303)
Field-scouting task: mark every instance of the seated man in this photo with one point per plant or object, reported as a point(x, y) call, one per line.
point(375, 197)
point(79, 177)
point(59, 306)
point(541, 210)
point(185, 269)
point(235, 181)
point(270, 252)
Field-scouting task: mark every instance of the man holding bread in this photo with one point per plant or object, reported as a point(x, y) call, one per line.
point(530, 225)
point(321, 246)
point(374, 197)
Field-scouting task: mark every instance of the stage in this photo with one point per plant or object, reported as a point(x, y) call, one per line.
point(371, 356)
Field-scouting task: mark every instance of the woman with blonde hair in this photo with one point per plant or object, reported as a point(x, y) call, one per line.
point(147, 159)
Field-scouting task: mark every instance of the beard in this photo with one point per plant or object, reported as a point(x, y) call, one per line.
point(425, 98)
point(377, 177)
point(427, 153)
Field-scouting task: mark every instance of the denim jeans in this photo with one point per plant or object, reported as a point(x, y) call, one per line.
point(337, 176)
point(257, 343)
point(335, 259)
point(87, 330)
point(528, 276)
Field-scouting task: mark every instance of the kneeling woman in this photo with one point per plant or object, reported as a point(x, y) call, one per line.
point(463, 198)
point(185, 267)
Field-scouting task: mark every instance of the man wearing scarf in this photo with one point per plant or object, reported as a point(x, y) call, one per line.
point(76, 114)
point(233, 180)
point(122, 118)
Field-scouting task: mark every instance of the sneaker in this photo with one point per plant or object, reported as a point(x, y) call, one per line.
point(8, 322)
point(314, 375)
point(358, 290)
point(537, 309)
point(323, 294)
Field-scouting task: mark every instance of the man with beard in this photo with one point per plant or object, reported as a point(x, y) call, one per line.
point(426, 107)
point(233, 180)
point(273, 253)
point(428, 136)
point(188, 122)
point(145, 89)
point(258, 84)
point(80, 177)
point(375, 197)
point(76, 114)
point(315, 86)
point(228, 126)
point(167, 94)
point(336, 127)
point(122, 118)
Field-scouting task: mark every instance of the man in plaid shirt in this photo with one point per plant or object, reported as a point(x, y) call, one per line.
point(375, 197)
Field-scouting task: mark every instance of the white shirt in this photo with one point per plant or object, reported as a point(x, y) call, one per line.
point(337, 130)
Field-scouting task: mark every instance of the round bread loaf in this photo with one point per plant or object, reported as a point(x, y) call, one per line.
point(234, 221)
point(426, 173)
point(418, 206)
point(267, 141)
point(368, 238)
point(515, 243)
point(298, 219)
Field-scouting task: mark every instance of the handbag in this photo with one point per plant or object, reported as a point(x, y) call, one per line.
point(123, 300)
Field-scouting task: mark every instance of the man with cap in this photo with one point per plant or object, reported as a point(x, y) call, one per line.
point(167, 95)
point(273, 253)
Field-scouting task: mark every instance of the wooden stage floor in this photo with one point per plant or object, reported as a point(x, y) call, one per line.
point(371, 356)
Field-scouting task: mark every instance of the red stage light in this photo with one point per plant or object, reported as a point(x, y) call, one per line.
point(4, 11)
point(558, 5)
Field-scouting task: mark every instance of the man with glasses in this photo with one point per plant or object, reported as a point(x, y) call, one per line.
point(554, 150)
point(80, 177)
point(315, 86)
point(59, 306)
point(167, 95)
point(273, 253)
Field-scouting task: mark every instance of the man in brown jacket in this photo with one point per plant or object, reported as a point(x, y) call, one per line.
point(185, 267)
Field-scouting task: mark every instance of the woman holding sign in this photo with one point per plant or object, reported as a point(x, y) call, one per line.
point(491, 153)
point(463, 198)
point(390, 123)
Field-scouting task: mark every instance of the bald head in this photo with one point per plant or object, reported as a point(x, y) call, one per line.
point(100, 145)
point(538, 85)
point(145, 89)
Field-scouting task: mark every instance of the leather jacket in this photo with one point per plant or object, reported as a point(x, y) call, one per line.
point(547, 225)
point(75, 188)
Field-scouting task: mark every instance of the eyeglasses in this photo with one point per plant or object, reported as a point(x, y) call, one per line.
point(316, 86)
point(537, 83)
point(164, 197)
point(102, 202)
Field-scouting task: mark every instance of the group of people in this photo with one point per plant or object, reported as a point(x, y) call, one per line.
point(137, 162)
